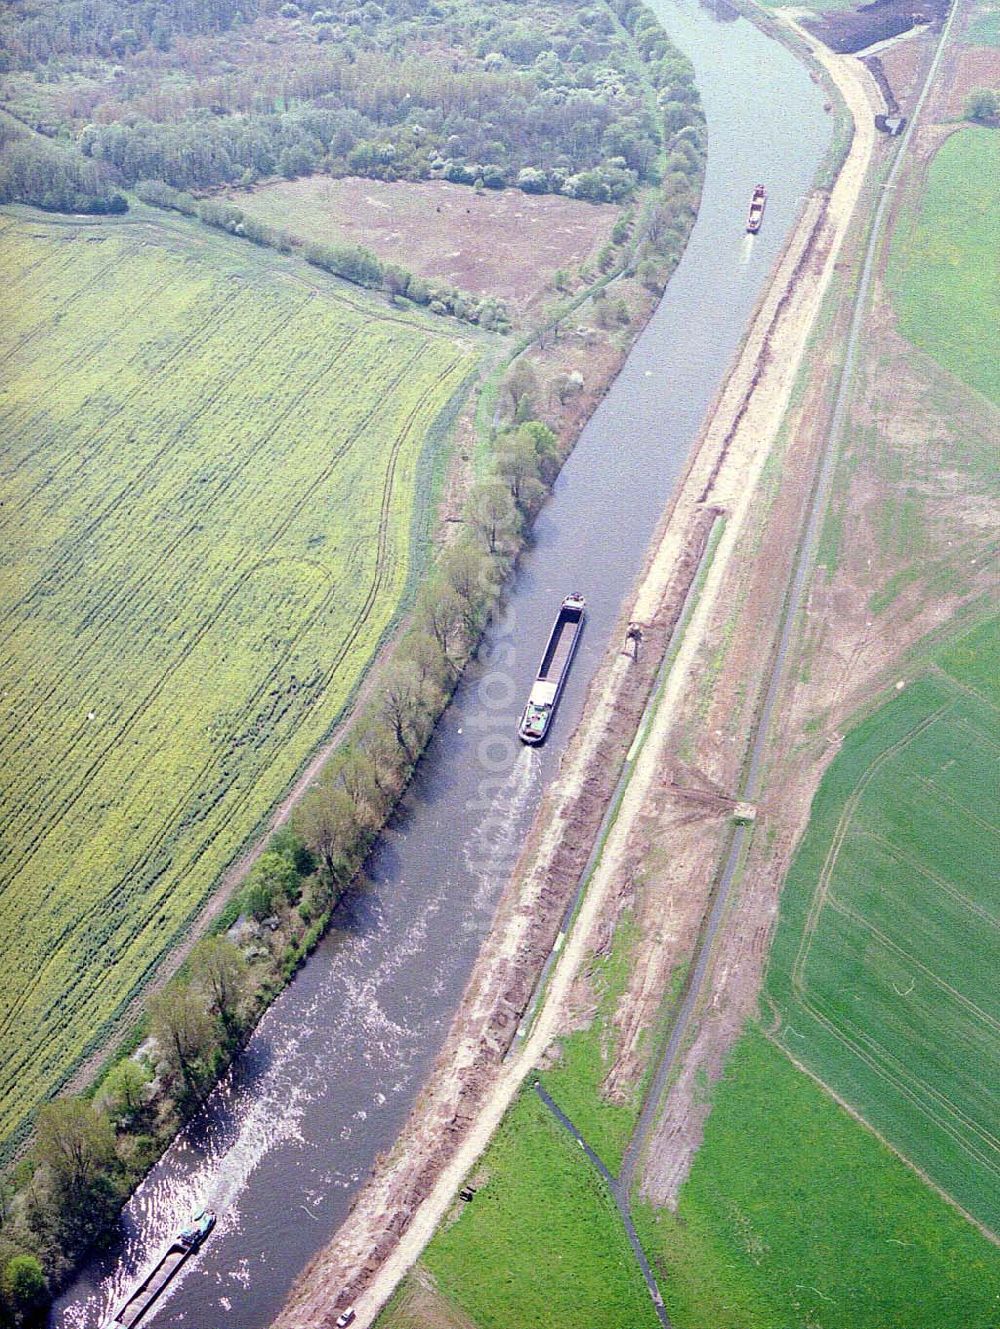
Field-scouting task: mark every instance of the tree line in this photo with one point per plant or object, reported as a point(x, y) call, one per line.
point(33, 170)
point(353, 263)
point(90, 1151)
point(112, 28)
point(546, 102)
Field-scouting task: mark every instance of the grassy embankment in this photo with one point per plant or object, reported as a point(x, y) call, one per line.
point(213, 483)
point(881, 967)
point(540, 1246)
point(984, 30)
point(794, 1213)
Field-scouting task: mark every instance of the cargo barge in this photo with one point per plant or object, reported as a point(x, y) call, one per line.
point(181, 1249)
point(552, 672)
point(756, 214)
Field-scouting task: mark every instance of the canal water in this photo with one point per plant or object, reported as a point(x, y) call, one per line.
point(329, 1075)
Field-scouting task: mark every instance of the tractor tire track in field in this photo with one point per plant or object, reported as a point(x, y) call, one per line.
point(907, 1086)
point(888, 944)
point(356, 628)
point(154, 962)
point(14, 421)
point(920, 870)
point(840, 834)
point(206, 624)
point(96, 280)
point(31, 793)
point(942, 675)
point(69, 261)
point(199, 335)
point(904, 1075)
point(939, 795)
point(31, 796)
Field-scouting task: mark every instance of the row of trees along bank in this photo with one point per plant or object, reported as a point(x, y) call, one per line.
point(91, 1151)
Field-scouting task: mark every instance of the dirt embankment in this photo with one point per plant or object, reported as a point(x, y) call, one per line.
point(848, 30)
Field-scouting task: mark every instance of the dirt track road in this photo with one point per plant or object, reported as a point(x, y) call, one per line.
point(754, 400)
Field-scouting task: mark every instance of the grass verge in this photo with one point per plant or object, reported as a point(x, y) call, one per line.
point(944, 264)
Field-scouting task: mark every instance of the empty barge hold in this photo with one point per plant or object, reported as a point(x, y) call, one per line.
point(553, 670)
point(756, 214)
point(181, 1248)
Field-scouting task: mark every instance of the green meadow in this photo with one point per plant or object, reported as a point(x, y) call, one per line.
point(541, 1245)
point(944, 263)
point(797, 1217)
point(883, 969)
point(216, 483)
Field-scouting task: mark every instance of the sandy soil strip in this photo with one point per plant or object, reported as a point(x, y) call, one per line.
point(725, 470)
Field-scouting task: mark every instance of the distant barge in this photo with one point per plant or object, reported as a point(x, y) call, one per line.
point(552, 672)
point(181, 1248)
point(756, 214)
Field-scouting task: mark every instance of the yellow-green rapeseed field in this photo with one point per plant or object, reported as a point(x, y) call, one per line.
point(212, 479)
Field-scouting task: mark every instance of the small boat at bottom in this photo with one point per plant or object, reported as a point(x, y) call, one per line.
point(180, 1249)
point(756, 214)
point(552, 672)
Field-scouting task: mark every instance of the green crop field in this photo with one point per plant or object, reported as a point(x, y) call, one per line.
point(541, 1246)
point(215, 486)
point(883, 971)
point(796, 1217)
point(984, 29)
point(944, 265)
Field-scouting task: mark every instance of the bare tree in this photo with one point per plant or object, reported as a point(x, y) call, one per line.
point(473, 578)
point(425, 654)
point(517, 466)
point(359, 777)
point(403, 706)
point(441, 611)
point(521, 386)
point(328, 822)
